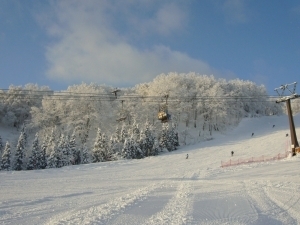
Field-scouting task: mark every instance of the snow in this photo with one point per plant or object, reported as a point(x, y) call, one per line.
point(167, 189)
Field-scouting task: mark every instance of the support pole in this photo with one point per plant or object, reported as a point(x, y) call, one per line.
point(287, 99)
point(294, 140)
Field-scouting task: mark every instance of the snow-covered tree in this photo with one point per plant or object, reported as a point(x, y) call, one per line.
point(173, 137)
point(42, 156)
point(35, 158)
point(19, 155)
point(74, 152)
point(135, 131)
point(155, 147)
point(55, 159)
point(146, 142)
point(131, 149)
point(5, 161)
point(51, 142)
point(1, 145)
point(85, 154)
point(124, 133)
point(164, 138)
point(126, 150)
point(64, 151)
point(100, 147)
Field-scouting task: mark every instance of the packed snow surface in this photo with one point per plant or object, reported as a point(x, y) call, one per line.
point(167, 189)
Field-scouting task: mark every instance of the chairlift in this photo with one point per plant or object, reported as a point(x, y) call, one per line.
point(163, 114)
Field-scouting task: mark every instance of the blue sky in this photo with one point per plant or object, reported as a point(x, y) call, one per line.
point(58, 43)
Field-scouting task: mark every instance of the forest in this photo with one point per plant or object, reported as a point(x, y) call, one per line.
point(90, 123)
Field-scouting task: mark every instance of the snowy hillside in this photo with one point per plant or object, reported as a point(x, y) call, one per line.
point(167, 189)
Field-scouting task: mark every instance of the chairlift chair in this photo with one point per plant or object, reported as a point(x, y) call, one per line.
point(163, 114)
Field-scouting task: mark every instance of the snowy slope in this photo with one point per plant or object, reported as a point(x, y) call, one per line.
point(167, 189)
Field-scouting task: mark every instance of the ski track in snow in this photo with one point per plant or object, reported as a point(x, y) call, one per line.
point(265, 197)
point(101, 214)
point(180, 205)
point(177, 210)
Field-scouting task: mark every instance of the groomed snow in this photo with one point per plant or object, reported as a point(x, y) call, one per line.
point(167, 189)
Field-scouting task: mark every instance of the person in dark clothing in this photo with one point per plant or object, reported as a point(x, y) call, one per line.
point(232, 152)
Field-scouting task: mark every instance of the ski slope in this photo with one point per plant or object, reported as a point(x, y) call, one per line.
point(167, 189)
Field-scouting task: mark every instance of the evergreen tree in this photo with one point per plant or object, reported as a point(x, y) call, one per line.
point(155, 147)
point(135, 131)
point(97, 150)
point(147, 140)
point(85, 154)
point(126, 153)
point(5, 161)
point(25, 138)
point(164, 138)
point(55, 160)
point(86, 129)
point(75, 154)
point(115, 146)
point(1, 145)
point(52, 161)
point(124, 133)
point(63, 151)
point(51, 143)
point(143, 143)
point(34, 160)
point(173, 138)
point(43, 157)
point(136, 152)
point(117, 134)
point(19, 155)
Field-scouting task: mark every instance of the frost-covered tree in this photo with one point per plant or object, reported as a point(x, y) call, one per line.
point(117, 136)
point(126, 150)
point(173, 138)
point(124, 133)
point(135, 131)
point(1, 145)
point(148, 140)
point(155, 147)
point(42, 156)
point(136, 151)
point(64, 151)
point(74, 152)
point(5, 160)
point(19, 155)
point(51, 142)
point(52, 159)
point(25, 138)
point(99, 148)
point(131, 149)
point(35, 158)
point(55, 159)
point(85, 154)
point(164, 138)
point(17, 103)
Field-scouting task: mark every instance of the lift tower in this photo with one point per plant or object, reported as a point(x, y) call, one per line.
point(287, 99)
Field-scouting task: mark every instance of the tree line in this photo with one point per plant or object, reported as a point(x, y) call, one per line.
point(57, 149)
point(199, 105)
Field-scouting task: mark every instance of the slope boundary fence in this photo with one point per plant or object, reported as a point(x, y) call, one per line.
point(262, 158)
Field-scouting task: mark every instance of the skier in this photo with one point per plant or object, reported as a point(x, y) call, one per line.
point(187, 156)
point(232, 152)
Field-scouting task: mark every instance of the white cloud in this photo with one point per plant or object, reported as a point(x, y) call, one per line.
point(90, 44)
